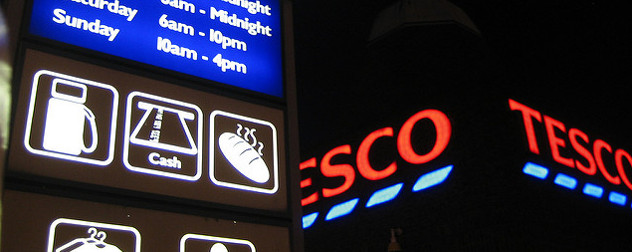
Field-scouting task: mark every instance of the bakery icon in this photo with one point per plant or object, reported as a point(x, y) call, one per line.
point(244, 153)
point(94, 243)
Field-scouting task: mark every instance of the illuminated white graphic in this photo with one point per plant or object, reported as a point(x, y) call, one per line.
point(68, 235)
point(247, 146)
point(243, 156)
point(162, 137)
point(96, 242)
point(65, 120)
point(218, 247)
point(71, 118)
point(206, 243)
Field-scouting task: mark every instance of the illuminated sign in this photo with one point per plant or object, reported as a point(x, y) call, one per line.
point(233, 42)
point(57, 224)
point(217, 244)
point(408, 151)
point(127, 238)
point(73, 131)
point(61, 114)
point(573, 148)
point(177, 153)
point(244, 151)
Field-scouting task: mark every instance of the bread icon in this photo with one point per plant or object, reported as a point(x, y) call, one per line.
point(243, 157)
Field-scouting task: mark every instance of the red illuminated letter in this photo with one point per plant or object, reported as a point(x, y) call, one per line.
point(618, 155)
point(444, 131)
point(573, 134)
point(527, 114)
point(597, 146)
point(339, 170)
point(308, 181)
point(556, 142)
point(364, 166)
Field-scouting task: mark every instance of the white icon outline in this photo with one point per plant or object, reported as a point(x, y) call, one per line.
point(275, 167)
point(59, 155)
point(182, 116)
point(214, 239)
point(90, 224)
point(195, 150)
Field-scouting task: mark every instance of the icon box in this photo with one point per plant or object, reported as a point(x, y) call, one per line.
point(71, 118)
point(243, 153)
point(163, 137)
point(67, 235)
point(197, 242)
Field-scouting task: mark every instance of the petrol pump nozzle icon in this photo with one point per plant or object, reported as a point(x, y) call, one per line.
point(65, 119)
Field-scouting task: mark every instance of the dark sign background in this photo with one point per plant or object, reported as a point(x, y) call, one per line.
point(155, 230)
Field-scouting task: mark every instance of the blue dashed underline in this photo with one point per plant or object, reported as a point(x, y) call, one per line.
point(381, 196)
point(572, 183)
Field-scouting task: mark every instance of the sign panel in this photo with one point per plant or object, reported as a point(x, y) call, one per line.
point(259, 171)
point(233, 42)
point(62, 230)
point(59, 113)
point(177, 155)
point(67, 225)
point(90, 124)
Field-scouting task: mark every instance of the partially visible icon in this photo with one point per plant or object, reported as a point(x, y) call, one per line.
point(219, 247)
point(69, 235)
point(96, 242)
point(207, 243)
point(71, 118)
point(162, 137)
point(245, 154)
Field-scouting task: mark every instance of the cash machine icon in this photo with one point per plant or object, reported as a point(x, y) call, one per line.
point(154, 139)
point(71, 118)
point(162, 137)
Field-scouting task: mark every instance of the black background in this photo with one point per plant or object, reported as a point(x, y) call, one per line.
point(569, 60)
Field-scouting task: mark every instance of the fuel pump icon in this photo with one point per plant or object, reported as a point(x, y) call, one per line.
point(66, 119)
point(71, 118)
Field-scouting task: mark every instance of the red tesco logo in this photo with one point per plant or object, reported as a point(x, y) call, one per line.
point(580, 142)
point(405, 149)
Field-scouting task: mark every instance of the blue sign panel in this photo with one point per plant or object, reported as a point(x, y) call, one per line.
point(236, 42)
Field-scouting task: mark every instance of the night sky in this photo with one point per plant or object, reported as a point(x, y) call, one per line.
point(578, 50)
point(569, 60)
